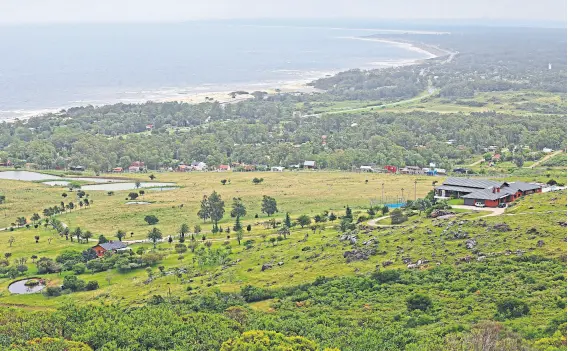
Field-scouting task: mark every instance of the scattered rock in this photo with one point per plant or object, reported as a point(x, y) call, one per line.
point(502, 227)
point(266, 266)
point(387, 263)
point(280, 263)
point(470, 243)
point(439, 213)
point(358, 255)
point(540, 243)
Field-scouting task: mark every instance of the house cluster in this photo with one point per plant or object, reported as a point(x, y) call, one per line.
point(480, 192)
point(135, 167)
point(194, 166)
point(411, 170)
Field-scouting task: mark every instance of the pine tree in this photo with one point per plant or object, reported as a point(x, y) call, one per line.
point(288, 221)
point(238, 225)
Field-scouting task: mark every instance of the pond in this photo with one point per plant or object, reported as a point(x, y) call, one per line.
point(124, 186)
point(97, 180)
point(20, 286)
point(138, 203)
point(26, 175)
point(35, 176)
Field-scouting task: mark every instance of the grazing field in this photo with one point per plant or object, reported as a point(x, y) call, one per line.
point(303, 256)
point(295, 192)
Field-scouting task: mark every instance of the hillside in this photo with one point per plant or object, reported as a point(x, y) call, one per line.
point(320, 276)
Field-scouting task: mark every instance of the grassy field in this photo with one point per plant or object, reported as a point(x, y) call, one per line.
point(304, 256)
point(296, 192)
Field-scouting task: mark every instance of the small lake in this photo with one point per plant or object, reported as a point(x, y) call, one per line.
point(20, 287)
point(138, 203)
point(26, 176)
point(58, 180)
point(125, 186)
point(97, 180)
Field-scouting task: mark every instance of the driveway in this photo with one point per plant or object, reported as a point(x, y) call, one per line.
point(493, 211)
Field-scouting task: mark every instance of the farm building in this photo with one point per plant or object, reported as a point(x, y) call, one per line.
point(113, 246)
point(117, 170)
point(136, 166)
point(224, 168)
point(277, 169)
point(411, 170)
point(198, 166)
point(310, 164)
point(488, 192)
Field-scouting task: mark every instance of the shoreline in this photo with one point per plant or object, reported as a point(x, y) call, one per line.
point(221, 93)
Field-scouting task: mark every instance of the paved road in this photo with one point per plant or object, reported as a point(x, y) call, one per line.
point(494, 211)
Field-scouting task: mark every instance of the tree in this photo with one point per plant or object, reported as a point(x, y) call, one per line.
point(239, 236)
point(35, 218)
point(180, 248)
point(238, 226)
point(348, 213)
point(87, 235)
point(204, 212)
point(2, 199)
point(418, 302)
point(304, 220)
point(183, 229)
point(77, 233)
point(398, 217)
point(249, 228)
point(519, 161)
point(287, 220)
point(197, 229)
point(64, 195)
point(102, 239)
point(268, 205)
point(11, 240)
point(137, 184)
point(154, 235)
point(152, 176)
point(216, 208)
point(257, 181)
point(284, 231)
point(332, 217)
point(238, 208)
point(385, 210)
point(121, 234)
point(268, 340)
point(21, 221)
point(151, 219)
point(511, 307)
point(133, 196)
point(223, 181)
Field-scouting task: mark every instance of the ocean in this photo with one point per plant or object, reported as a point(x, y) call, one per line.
point(50, 67)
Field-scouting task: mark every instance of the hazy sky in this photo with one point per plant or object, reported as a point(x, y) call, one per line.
point(56, 11)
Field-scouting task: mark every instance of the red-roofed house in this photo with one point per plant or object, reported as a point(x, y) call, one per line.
point(224, 167)
point(136, 166)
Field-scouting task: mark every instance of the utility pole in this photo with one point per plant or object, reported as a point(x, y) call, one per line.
point(383, 194)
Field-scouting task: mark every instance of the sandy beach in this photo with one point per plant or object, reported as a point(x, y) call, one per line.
point(222, 94)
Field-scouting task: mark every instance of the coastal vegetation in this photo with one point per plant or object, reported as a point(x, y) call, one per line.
point(299, 259)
